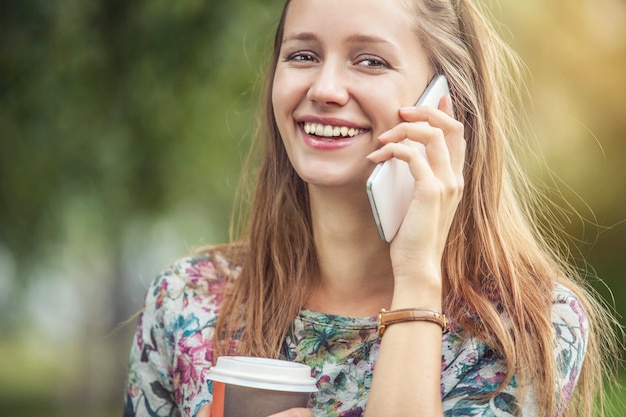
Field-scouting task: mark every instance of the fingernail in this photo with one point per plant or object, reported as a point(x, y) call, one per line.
point(385, 135)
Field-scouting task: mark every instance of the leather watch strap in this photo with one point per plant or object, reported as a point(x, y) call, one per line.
point(387, 318)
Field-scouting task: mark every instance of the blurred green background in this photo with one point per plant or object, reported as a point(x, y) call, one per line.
point(122, 129)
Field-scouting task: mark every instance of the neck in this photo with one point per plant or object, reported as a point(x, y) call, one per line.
point(355, 268)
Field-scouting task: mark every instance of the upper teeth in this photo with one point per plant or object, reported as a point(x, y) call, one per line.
point(328, 130)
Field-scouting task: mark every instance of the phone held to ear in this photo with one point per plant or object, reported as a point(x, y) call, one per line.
point(390, 186)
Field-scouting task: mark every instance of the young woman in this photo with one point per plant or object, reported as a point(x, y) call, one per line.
point(308, 279)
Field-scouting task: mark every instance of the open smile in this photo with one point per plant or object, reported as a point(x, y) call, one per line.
point(331, 131)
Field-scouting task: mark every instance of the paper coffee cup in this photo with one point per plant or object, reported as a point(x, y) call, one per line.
point(258, 387)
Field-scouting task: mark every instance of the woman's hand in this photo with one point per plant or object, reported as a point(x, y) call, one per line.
point(408, 368)
point(419, 244)
point(205, 411)
point(294, 412)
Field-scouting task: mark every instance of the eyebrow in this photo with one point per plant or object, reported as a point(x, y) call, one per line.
point(299, 36)
point(357, 38)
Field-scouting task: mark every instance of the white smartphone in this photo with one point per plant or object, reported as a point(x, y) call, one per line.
point(390, 186)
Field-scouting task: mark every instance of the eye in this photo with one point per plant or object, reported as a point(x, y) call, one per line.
point(372, 62)
point(301, 56)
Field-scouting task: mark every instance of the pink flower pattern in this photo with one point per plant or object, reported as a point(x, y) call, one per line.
point(173, 350)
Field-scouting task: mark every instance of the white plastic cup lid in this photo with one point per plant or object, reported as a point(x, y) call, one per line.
point(263, 373)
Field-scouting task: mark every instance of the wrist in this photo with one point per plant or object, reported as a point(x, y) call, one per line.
point(424, 292)
point(387, 318)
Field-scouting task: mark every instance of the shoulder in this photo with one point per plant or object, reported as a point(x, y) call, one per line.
point(471, 368)
point(174, 341)
point(571, 328)
point(206, 273)
point(191, 286)
point(568, 310)
point(569, 321)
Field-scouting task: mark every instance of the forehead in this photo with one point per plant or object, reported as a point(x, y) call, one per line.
point(337, 19)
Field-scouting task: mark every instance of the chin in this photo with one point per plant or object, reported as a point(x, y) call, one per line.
point(336, 182)
point(337, 174)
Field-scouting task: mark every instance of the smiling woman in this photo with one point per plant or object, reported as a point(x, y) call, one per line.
point(311, 281)
point(351, 74)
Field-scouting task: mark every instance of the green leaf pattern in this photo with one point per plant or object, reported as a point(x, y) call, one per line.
point(173, 350)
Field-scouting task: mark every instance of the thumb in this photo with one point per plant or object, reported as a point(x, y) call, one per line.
point(294, 412)
point(205, 411)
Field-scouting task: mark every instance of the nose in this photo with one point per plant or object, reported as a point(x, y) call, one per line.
point(329, 86)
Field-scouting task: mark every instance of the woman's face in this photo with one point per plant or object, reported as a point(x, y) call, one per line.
point(345, 68)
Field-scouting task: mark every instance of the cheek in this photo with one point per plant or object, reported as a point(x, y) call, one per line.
point(282, 107)
point(276, 99)
point(384, 103)
point(281, 115)
point(284, 92)
point(384, 113)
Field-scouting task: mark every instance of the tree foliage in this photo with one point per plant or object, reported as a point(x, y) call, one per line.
point(130, 105)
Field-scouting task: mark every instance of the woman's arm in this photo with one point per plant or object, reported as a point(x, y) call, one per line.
point(407, 378)
point(205, 411)
point(149, 392)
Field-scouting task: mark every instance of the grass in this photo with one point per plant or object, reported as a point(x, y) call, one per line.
point(33, 383)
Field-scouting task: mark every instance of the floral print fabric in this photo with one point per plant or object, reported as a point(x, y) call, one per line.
point(173, 350)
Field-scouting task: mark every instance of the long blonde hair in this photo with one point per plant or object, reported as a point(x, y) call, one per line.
point(497, 262)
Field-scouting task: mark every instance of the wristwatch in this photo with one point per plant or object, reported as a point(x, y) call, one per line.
point(387, 318)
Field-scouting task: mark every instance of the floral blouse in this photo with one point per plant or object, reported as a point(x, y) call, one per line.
point(172, 352)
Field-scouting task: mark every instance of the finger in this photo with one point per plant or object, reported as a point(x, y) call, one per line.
point(415, 131)
point(205, 411)
point(453, 130)
point(457, 155)
point(431, 137)
point(440, 117)
point(394, 150)
point(294, 412)
point(412, 155)
point(445, 105)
